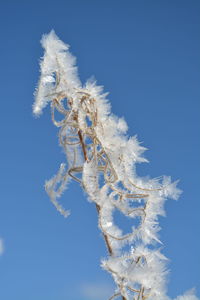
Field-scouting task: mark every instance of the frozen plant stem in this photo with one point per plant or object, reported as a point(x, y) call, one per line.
point(102, 158)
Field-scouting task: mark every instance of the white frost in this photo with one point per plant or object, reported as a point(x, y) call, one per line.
point(102, 158)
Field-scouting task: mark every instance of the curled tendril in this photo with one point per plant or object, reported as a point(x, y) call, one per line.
point(114, 296)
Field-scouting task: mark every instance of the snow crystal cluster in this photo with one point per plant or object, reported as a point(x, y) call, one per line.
point(102, 158)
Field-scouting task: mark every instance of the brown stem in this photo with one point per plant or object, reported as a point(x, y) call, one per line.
point(97, 206)
point(107, 241)
point(82, 144)
point(104, 235)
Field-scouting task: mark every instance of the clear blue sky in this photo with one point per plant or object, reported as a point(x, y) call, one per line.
point(147, 55)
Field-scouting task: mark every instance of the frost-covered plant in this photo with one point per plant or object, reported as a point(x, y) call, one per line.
point(102, 158)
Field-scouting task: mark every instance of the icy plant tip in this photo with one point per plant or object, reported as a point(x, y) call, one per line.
point(102, 158)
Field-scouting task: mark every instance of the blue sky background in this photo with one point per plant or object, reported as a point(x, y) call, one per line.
point(147, 55)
